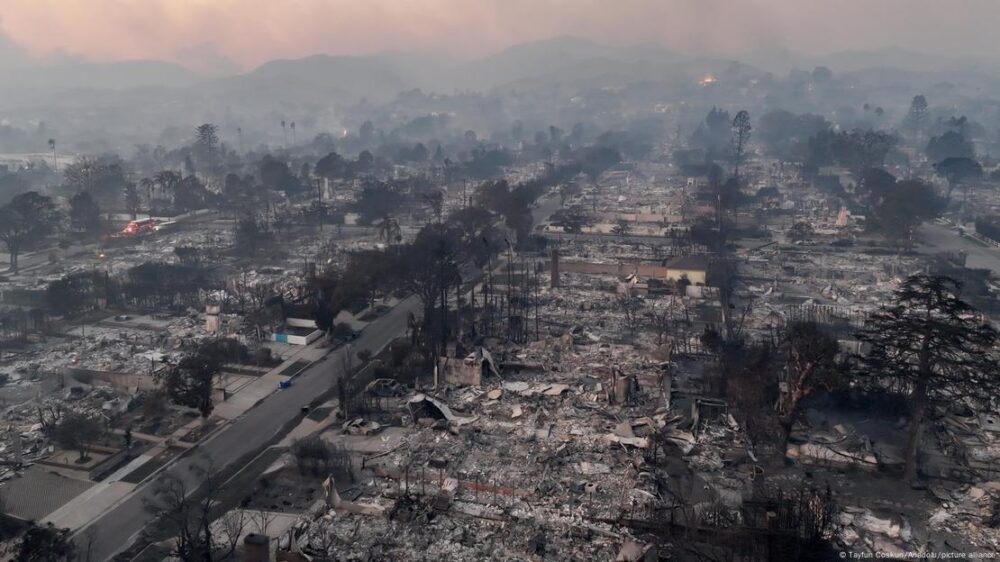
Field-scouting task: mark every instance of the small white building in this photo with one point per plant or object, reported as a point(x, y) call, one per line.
point(297, 331)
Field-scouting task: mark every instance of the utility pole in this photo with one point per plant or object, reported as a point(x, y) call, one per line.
point(510, 300)
point(320, 211)
point(536, 303)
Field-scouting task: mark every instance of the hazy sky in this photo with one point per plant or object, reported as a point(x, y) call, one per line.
point(209, 33)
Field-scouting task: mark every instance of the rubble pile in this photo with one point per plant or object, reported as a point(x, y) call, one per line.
point(27, 424)
point(563, 445)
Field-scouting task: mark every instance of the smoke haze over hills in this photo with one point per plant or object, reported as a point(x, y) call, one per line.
point(213, 35)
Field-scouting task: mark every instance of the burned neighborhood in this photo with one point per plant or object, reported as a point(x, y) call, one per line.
point(594, 293)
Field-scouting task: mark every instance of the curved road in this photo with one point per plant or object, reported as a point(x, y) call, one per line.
point(118, 527)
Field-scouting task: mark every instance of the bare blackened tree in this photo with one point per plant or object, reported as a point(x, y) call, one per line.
point(431, 269)
point(187, 512)
point(740, 139)
point(261, 521)
point(810, 366)
point(630, 304)
point(231, 526)
point(660, 320)
point(750, 375)
point(932, 346)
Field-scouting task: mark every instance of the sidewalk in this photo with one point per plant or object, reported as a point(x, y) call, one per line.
point(266, 384)
point(90, 505)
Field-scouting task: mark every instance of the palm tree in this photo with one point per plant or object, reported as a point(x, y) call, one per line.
point(52, 147)
point(148, 184)
point(167, 180)
point(284, 128)
point(294, 138)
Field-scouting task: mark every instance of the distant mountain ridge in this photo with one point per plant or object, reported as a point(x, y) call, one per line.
point(121, 75)
point(97, 105)
point(378, 76)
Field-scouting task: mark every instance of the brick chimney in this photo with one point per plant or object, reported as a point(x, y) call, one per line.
point(257, 548)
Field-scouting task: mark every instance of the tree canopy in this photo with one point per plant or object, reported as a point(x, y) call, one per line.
point(932, 346)
point(28, 218)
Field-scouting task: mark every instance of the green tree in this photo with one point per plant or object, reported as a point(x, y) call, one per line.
point(950, 144)
point(76, 431)
point(192, 381)
point(595, 160)
point(331, 166)
point(377, 200)
point(27, 219)
point(190, 193)
point(45, 544)
point(903, 207)
point(714, 133)
point(84, 213)
point(932, 345)
point(251, 236)
point(76, 292)
point(429, 267)
point(277, 176)
point(958, 170)
point(785, 134)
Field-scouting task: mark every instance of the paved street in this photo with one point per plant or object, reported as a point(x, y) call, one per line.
point(119, 526)
point(938, 238)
